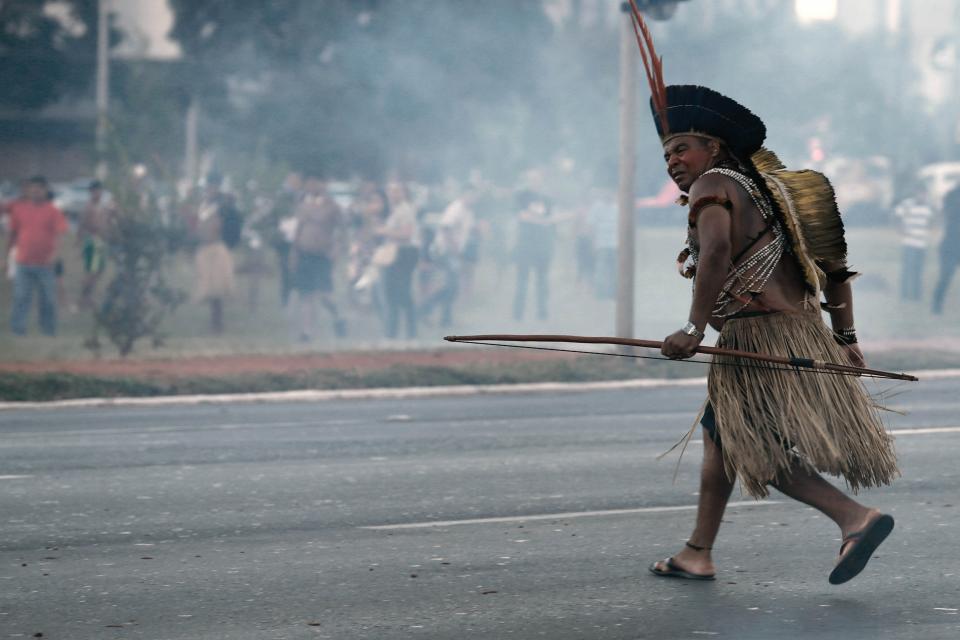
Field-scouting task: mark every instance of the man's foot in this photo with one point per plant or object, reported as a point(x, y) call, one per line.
point(859, 545)
point(691, 563)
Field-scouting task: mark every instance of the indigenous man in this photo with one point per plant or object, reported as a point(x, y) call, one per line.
point(315, 247)
point(763, 244)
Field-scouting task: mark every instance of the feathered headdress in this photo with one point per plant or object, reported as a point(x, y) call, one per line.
point(692, 109)
point(653, 65)
point(805, 198)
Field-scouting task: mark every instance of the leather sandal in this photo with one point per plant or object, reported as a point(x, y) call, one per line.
point(673, 570)
point(863, 544)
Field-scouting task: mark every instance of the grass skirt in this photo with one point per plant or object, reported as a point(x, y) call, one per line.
point(770, 420)
point(214, 272)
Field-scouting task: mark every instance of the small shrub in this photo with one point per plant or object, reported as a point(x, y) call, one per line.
point(138, 297)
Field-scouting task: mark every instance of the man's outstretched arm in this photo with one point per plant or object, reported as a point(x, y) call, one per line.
point(839, 296)
point(713, 232)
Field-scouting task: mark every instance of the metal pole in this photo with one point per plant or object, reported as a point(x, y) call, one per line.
point(190, 146)
point(103, 85)
point(954, 133)
point(625, 225)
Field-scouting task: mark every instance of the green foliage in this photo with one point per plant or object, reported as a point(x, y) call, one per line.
point(55, 385)
point(43, 56)
point(148, 112)
point(434, 87)
point(138, 297)
point(344, 86)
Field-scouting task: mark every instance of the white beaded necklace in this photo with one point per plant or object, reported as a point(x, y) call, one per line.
point(747, 280)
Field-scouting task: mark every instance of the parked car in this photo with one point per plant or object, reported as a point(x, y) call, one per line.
point(71, 197)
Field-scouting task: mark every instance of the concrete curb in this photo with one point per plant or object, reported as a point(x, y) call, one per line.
point(395, 393)
point(382, 393)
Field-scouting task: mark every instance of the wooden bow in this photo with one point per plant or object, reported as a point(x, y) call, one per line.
point(792, 362)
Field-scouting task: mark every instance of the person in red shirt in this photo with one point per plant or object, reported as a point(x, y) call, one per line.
point(36, 227)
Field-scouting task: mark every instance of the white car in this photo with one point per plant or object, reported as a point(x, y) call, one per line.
point(71, 197)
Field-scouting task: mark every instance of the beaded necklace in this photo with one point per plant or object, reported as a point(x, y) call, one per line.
point(746, 280)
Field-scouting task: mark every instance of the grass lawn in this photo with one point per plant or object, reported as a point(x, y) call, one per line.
point(662, 302)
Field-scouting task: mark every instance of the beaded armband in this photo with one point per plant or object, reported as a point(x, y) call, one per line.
point(845, 337)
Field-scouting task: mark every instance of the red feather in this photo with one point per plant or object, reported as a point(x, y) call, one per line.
point(652, 64)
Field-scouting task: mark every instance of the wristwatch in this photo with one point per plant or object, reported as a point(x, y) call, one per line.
point(691, 330)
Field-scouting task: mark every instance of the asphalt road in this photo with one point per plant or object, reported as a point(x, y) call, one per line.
point(279, 521)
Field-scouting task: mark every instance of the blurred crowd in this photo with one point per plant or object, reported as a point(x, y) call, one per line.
point(402, 253)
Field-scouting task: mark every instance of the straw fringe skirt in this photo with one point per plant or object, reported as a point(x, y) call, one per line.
point(214, 272)
point(770, 420)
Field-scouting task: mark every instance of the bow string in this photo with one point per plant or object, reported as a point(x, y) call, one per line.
point(758, 360)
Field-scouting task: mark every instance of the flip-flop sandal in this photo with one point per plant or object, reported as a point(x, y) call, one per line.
point(674, 571)
point(864, 543)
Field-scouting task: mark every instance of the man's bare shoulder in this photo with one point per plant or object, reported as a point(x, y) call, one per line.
point(713, 184)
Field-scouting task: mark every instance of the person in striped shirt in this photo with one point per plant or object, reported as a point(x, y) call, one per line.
point(915, 214)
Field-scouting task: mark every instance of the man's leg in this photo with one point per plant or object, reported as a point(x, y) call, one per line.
point(543, 287)
point(22, 297)
point(948, 265)
point(307, 306)
point(520, 296)
point(391, 285)
point(918, 274)
point(810, 488)
point(339, 326)
point(47, 286)
point(286, 278)
point(451, 288)
point(407, 305)
point(715, 488)
point(216, 315)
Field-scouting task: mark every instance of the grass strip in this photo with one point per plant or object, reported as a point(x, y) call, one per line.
point(39, 387)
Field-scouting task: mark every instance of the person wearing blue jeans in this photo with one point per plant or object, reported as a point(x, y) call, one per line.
point(28, 279)
point(35, 230)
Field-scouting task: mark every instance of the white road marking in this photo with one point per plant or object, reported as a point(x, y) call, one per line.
point(922, 431)
point(910, 407)
point(45, 436)
point(555, 516)
point(128, 431)
point(14, 477)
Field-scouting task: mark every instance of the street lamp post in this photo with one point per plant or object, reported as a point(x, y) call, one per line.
point(190, 143)
point(626, 227)
point(103, 85)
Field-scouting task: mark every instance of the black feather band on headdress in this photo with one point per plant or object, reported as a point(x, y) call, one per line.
point(691, 109)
